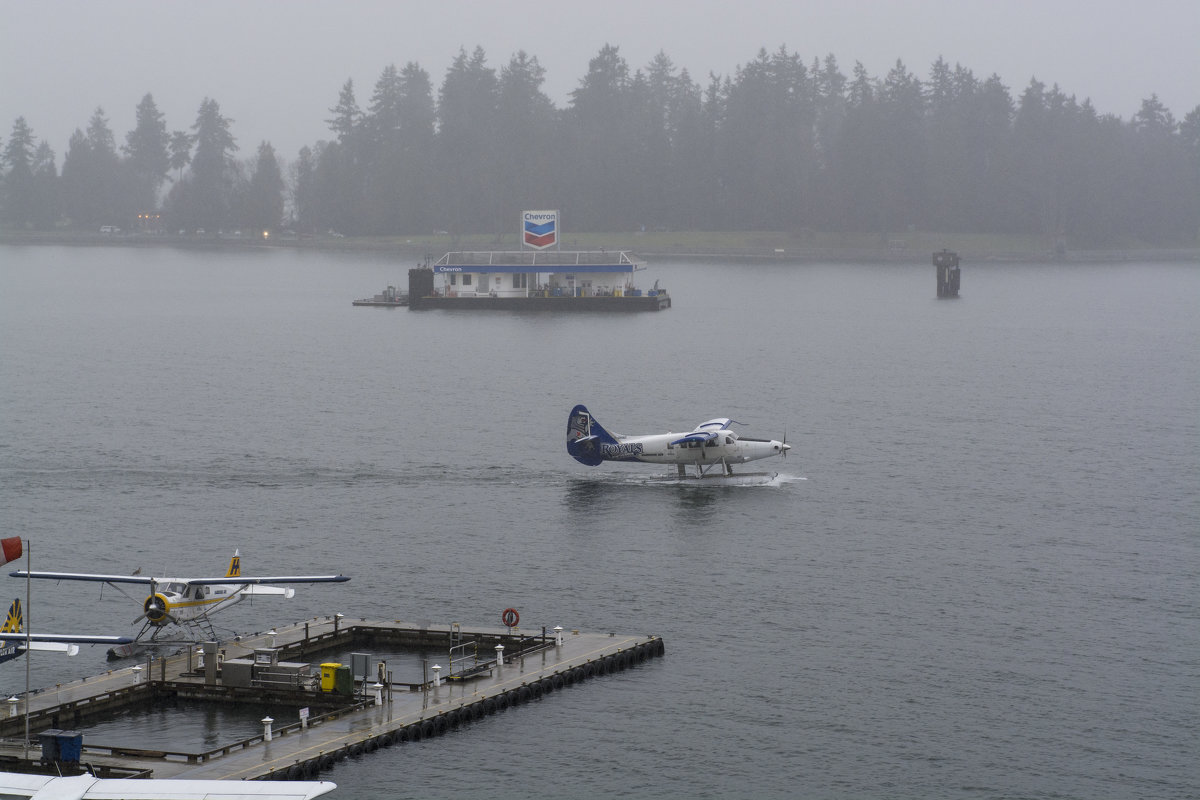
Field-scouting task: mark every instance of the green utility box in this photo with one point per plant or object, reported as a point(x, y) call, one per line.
point(343, 681)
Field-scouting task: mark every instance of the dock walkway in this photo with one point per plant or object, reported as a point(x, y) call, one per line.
point(339, 726)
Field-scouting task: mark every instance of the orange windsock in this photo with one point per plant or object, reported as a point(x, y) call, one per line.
point(11, 548)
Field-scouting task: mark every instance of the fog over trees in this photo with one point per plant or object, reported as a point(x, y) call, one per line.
point(781, 145)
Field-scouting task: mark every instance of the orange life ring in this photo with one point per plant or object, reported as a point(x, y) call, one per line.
point(510, 617)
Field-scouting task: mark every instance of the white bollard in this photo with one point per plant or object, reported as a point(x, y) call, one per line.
point(558, 629)
point(272, 634)
point(437, 674)
point(12, 705)
point(137, 673)
point(378, 687)
point(499, 657)
point(266, 721)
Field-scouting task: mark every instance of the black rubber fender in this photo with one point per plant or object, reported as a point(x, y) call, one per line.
point(503, 701)
point(558, 681)
point(311, 768)
point(326, 762)
point(524, 694)
point(295, 773)
point(537, 689)
point(371, 745)
point(660, 649)
point(589, 670)
point(490, 705)
point(404, 734)
point(427, 729)
point(356, 749)
point(478, 711)
point(440, 725)
point(415, 732)
point(579, 673)
point(639, 653)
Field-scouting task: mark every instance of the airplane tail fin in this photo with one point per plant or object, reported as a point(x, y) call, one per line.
point(15, 618)
point(235, 566)
point(585, 435)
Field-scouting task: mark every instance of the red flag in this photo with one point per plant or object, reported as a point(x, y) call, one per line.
point(11, 549)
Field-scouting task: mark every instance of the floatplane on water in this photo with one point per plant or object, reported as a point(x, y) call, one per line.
point(187, 602)
point(709, 446)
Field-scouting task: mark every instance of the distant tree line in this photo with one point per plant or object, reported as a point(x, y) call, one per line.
point(780, 145)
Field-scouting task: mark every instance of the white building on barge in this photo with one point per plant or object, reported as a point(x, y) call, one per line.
point(603, 279)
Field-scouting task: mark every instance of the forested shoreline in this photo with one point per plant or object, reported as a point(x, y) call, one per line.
point(781, 145)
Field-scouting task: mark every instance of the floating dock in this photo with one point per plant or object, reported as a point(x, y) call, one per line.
point(486, 670)
point(527, 280)
point(388, 298)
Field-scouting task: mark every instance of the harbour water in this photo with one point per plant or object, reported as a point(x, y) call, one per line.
point(974, 577)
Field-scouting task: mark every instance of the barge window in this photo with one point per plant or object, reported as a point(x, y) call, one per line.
point(466, 279)
point(453, 278)
point(520, 280)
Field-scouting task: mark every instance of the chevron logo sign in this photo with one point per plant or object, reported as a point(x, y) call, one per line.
point(539, 229)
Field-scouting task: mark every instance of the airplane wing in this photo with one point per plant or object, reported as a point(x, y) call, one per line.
point(85, 787)
point(718, 424)
point(278, 591)
point(87, 576)
point(271, 579)
point(697, 436)
point(44, 647)
point(64, 638)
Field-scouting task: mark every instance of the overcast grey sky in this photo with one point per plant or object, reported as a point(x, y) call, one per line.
point(275, 66)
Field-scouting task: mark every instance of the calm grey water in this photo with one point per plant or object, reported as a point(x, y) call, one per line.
point(976, 576)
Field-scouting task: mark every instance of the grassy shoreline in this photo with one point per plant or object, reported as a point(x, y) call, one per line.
point(911, 247)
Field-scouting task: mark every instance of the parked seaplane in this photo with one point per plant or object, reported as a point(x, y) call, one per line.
point(711, 444)
point(188, 602)
point(14, 642)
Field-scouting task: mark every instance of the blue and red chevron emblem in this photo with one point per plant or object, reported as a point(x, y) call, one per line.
point(540, 229)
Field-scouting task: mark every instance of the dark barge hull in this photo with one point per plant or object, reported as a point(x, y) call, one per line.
point(603, 304)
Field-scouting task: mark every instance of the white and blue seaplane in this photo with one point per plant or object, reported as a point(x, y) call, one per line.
point(188, 602)
point(15, 641)
point(712, 446)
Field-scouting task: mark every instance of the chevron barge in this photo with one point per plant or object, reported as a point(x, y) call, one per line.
point(527, 280)
point(314, 720)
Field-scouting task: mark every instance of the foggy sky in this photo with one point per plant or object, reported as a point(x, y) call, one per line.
point(275, 66)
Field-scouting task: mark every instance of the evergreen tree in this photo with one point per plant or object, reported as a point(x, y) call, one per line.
point(467, 115)
point(524, 144)
point(19, 186)
point(263, 205)
point(148, 158)
point(207, 192)
point(180, 152)
point(45, 211)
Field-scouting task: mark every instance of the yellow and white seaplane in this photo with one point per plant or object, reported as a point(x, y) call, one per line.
point(189, 602)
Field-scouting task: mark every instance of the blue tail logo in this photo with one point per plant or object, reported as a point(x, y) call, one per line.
point(586, 437)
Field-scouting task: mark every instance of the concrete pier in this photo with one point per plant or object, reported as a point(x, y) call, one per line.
point(338, 724)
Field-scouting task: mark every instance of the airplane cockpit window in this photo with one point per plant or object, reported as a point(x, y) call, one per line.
point(176, 588)
point(728, 440)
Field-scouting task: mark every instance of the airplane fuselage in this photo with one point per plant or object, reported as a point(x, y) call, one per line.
point(666, 448)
